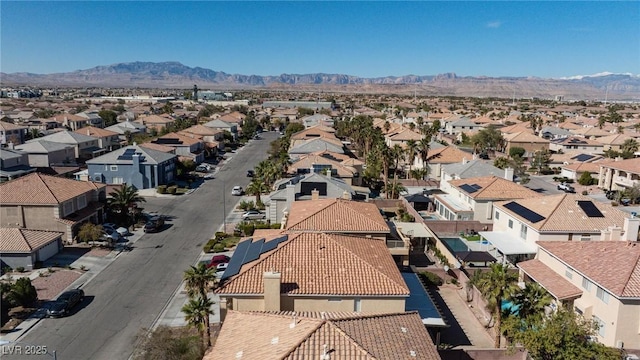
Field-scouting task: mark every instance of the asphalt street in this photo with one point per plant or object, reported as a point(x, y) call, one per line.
point(133, 290)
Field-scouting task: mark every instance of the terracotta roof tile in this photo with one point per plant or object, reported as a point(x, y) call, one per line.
point(629, 165)
point(95, 132)
point(447, 155)
point(494, 188)
point(614, 265)
point(562, 213)
point(42, 189)
point(336, 215)
point(558, 286)
point(347, 337)
point(15, 240)
point(524, 136)
point(303, 261)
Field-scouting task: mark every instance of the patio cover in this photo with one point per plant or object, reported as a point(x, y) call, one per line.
point(413, 229)
point(558, 286)
point(417, 198)
point(507, 243)
point(475, 256)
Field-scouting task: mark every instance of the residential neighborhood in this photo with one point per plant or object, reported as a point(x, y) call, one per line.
point(361, 227)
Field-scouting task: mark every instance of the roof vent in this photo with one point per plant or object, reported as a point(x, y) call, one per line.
point(293, 323)
point(325, 353)
point(404, 329)
point(413, 353)
point(274, 340)
point(239, 355)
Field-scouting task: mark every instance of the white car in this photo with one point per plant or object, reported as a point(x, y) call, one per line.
point(123, 231)
point(253, 215)
point(237, 191)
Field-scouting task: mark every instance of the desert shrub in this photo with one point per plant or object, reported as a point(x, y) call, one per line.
point(169, 343)
point(431, 279)
point(218, 247)
point(209, 245)
point(172, 189)
point(586, 179)
point(221, 235)
point(276, 226)
point(22, 293)
point(162, 189)
point(585, 192)
point(246, 205)
point(20, 269)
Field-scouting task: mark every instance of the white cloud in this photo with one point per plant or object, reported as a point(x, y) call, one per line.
point(494, 24)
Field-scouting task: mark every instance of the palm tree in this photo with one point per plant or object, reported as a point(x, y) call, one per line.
point(196, 313)
point(125, 200)
point(531, 302)
point(257, 187)
point(629, 146)
point(385, 154)
point(423, 151)
point(497, 285)
point(396, 189)
point(473, 281)
point(397, 154)
point(197, 279)
point(411, 152)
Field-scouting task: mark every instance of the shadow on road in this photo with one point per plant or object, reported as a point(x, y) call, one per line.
point(66, 257)
point(454, 335)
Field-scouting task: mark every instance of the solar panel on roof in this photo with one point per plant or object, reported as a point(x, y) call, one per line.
point(253, 253)
point(590, 208)
point(270, 245)
point(583, 157)
point(237, 259)
point(476, 186)
point(468, 188)
point(520, 210)
point(127, 154)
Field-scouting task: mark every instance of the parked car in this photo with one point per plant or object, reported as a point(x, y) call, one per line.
point(111, 234)
point(253, 215)
point(566, 188)
point(65, 302)
point(237, 191)
point(123, 231)
point(204, 168)
point(250, 173)
point(217, 260)
point(154, 224)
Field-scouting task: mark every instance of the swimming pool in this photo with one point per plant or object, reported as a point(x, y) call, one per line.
point(455, 244)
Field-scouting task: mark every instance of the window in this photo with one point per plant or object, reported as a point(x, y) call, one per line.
point(510, 224)
point(68, 208)
point(114, 168)
point(585, 237)
point(357, 305)
point(568, 273)
point(603, 295)
point(523, 231)
point(600, 324)
point(82, 201)
point(497, 215)
point(586, 284)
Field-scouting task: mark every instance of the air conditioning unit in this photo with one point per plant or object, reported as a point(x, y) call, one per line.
point(619, 344)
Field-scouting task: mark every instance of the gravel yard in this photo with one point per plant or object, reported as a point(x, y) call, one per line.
point(51, 284)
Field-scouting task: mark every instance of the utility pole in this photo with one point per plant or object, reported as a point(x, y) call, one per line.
point(224, 207)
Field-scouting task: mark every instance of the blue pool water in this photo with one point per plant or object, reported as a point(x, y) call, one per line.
point(508, 305)
point(455, 244)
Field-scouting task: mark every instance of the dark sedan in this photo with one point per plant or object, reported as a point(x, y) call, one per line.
point(65, 302)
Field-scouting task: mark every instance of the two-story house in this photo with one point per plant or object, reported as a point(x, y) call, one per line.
point(70, 121)
point(619, 175)
point(44, 154)
point(598, 279)
point(439, 157)
point(473, 198)
point(84, 146)
point(308, 146)
point(529, 142)
point(575, 144)
point(11, 133)
point(43, 202)
point(187, 145)
point(155, 122)
point(326, 165)
point(107, 140)
point(13, 164)
point(213, 139)
point(470, 169)
point(519, 224)
point(218, 124)
point(461, 125)
point(140, 167)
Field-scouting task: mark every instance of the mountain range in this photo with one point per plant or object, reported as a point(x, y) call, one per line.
point(177, 75)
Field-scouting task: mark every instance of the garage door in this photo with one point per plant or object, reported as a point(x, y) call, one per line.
point(48, 251)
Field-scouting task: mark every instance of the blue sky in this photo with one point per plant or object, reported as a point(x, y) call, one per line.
point(369, 39)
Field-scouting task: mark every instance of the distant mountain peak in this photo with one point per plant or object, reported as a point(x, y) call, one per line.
point(600, 74)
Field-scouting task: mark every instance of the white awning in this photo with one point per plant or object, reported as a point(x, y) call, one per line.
point(413, 229)
point(508, 244)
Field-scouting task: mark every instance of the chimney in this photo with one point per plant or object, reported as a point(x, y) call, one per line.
point(508, 174)
point(272, 281)
point(315, 194)
point(464, 160)
point(616, 233)
point(136, 161)
point(88, 132)
point(630, 229)
point(10, 145)
point(291, 194)
point(346, 195)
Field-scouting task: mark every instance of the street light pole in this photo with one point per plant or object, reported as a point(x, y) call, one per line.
point(224, 207)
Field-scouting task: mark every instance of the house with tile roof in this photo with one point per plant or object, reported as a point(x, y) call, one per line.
point(124, 127)
point(529, 142)
point(613, 142)
point(519, 224)
point(155, 122)
point(141, 167)
point(590, 132)
point(473, 198)
point(302, 147)
point(575, 170)
point(439, 157)
point(50, 203)
point(461, 125)
point(401, 137)
point(554, 132)
point(573, 144)
point(316, 163)
point(326, 335)
point(13, 164)
point(598, 279)
point(470, 169)
point(24, 248)
point(84, 146)
point(289, 272)
point(218, 124)
point(213, 139)
point(619, 175)
point(107, 139)
point(70, 121)
point(185, 145)
point(44, 154)
point(11, 133)
point(315, 132)
point(322, 120)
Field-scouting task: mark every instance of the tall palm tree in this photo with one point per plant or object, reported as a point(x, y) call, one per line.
point(196, 313)
point(497, 285)
point(411, 152)
point(629, 146)
point(423, 151)
point(197, 279)
point(531, 302)
point(125, 200)
point(257, 187)
point(386, 156)
point(397, 153)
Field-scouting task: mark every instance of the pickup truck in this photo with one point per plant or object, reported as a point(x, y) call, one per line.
point(566, 188)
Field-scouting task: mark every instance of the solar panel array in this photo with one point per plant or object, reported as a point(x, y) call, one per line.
point(576, 141)
point(470, 188)
point(127, 155)
point(590, 208)
point(248, 251)
point(583, 157)
point(526, 213)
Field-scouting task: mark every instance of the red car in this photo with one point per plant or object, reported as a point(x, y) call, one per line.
point(217, 260)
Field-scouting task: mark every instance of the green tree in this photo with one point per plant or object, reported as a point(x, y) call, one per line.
point(256, 187)
point(541, 160)
point(110, 117)
point(398, 156)
point(586, 179)
point(517, 152)
point(196, 313)
point(293, 128)
point(497, 285)
point(124, 201)
point(197, 280)
point(565, 335)
point(628, 148)
point(90, 232)
point(411, 150)
point(488, 139)
point(22, 293)
point(501, 162)
point(531, 303)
